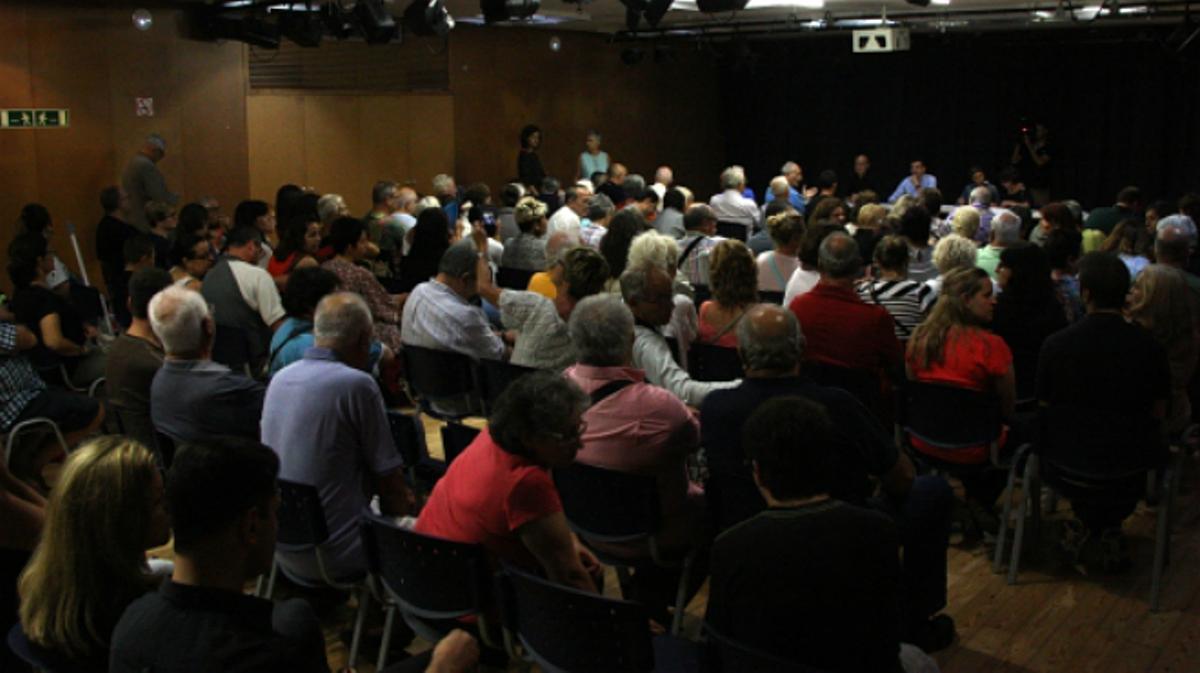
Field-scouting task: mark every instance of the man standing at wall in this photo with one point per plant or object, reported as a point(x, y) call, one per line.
point(143, 182)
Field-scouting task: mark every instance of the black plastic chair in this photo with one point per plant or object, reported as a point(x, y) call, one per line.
point(27, 425)
point(770, 297)
point(513, 279)
point(303, 528)
point(456, 437)
point(36, 657)
point(734, 230)
point(231, 347)
point(606, 506)
point(408, 433)
point(726, 655)
point(564, 629)
point(864, 385)
point(426, 579)
point(707, 362)
point(949, 418)
point(494, 376)
point(444, 383)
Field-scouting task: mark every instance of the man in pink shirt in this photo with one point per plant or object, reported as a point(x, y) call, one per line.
point(636, 427)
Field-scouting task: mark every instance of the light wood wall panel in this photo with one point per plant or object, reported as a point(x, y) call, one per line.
point(343, 144)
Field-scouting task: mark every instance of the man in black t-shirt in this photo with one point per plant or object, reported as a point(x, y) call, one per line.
point(770, 344)
point(1103, 384)
point(811, 580)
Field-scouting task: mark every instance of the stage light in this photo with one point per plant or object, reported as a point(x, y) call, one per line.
point(377, 24)
point(508, 10)
point(555, 44)
point(428, 17)
point(143, 19)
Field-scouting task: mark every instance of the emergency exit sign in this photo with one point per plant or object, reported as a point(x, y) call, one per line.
point(37, 118)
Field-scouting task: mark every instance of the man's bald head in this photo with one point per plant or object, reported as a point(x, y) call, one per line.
point(839, 258)
point(343, 324)
point(1172, 246)
point(769, 341)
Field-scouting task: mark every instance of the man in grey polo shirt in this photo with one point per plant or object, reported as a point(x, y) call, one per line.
point(324, 416)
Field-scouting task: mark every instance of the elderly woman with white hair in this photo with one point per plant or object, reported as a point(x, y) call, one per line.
point(952, 252)
point(662, 251)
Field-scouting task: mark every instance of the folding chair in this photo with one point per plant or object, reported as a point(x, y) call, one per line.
point(494, 376)
point(409, 435)
point(426, 579)
point(231, 347)
point(726, 655)
point(564, 629)
point(605, 506)
point(707, 362)
point(26, 425)
point(455, 439)
point(302, 527)
point(442, 382)
point(734, 230)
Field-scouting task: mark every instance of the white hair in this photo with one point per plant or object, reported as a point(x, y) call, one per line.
point(426, 202)
point(1006, 227)
point(330, 206)
point(177, 317)
point(981, 195)
point(340, 320)
point(733, 177)
point(442, 183)
point(780, 186)
point(651, 247)
point(954, 252)
point(788, 167)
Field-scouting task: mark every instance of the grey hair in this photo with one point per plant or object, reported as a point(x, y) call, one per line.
point(383, 190)
point(634, 185)
point(651, 247)
point(954, 252)
point(459, 260)
point(1006, 227)
point(535, 404)
point(341, 319)
point(772, 351)
point(575, 191)
point(599, 207)
point(788, 166)
point(177, 317)
point(442, 182)
point(838, 256)
point(733, 177)
point(601, 328)
point(634, 281)
point(329, 207)
point(981, 195)
point(779, 186)
point(426, 202)
point(557, 245)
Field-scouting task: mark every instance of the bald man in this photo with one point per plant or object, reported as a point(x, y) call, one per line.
point(771, 345)
point(143, 182)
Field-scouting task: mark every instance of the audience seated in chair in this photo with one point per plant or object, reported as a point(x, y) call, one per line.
point(771, 345)
point(1161, 302)
point(1104, 385)
point(733, 282)
point(104, 513)
point(701, 224)
point(527, 251)
point(192, 397)
point(842, 330)
point(242, 293)
point(439, 313)
point(806, 276)
point(348, 236)
point(324, 416)
point(655, 249)
point(892, 289)
point(648, 292)
point(138, 254)
point(499, 492)
point(134, 358)
point(23, 510)
point(776, 266)
point(837, 561)
point(540, 323)
point(1027, 310)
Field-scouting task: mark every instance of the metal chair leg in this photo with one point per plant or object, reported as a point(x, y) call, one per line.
point(998, 557)
point(388, 621)
point(681, 596)
point(1014, 561)
point(364, 599)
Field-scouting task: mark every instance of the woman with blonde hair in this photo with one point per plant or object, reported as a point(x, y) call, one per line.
point(104, 513)
point(1161, 301)
point(868, 228)
point(733, 278)
point(952, 252)
point(965, 223)
point(776, 266)
point(527, 251)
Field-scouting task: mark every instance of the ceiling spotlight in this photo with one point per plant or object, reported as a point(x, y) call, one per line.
point(508, 10)
point(377, 23)
point(142, 19)
point(428, 17)
point(555, 44)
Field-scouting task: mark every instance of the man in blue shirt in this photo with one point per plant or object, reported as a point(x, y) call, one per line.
point(795, 178)
point(914, 183)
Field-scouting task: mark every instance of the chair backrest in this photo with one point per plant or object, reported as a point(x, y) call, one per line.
point(409, 435)
point(1093, 446)
point(231, 347)
point(949, 417)
point(707, 362)
point(38, 658)
point(456, 437)
point(429, 577)
point(735, 230)
point(301, 515)
point(861, 383)
point(725, 655)
point(606, 505)
point(438, 376)
point(513, 279)
point(565, 629)
point(768, 297)
point(494, 377)
point(165, 447)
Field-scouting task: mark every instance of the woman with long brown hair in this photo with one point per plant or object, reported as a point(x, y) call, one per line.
point(104, 513)
point(1161, 301)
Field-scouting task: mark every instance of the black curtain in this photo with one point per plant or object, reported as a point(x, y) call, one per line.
point(1122, 108)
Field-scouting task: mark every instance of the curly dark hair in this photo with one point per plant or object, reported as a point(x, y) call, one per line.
point(305, 288)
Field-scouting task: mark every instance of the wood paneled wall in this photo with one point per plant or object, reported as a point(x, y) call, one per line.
point(344, 143)
point(648, 114)
point(94, 62)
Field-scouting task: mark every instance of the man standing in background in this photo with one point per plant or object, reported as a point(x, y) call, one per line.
point(143, 182)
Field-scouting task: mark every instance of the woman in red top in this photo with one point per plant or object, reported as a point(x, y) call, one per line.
point(953, 347)
point(733, 277)
point(297, 248)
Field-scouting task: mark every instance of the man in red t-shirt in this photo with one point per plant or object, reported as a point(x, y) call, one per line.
point(840, 329)
point(499, 492)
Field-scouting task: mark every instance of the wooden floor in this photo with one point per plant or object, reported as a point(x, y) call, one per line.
point(1053, 620)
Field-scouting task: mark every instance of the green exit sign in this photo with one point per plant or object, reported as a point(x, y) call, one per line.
point(39, 118)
